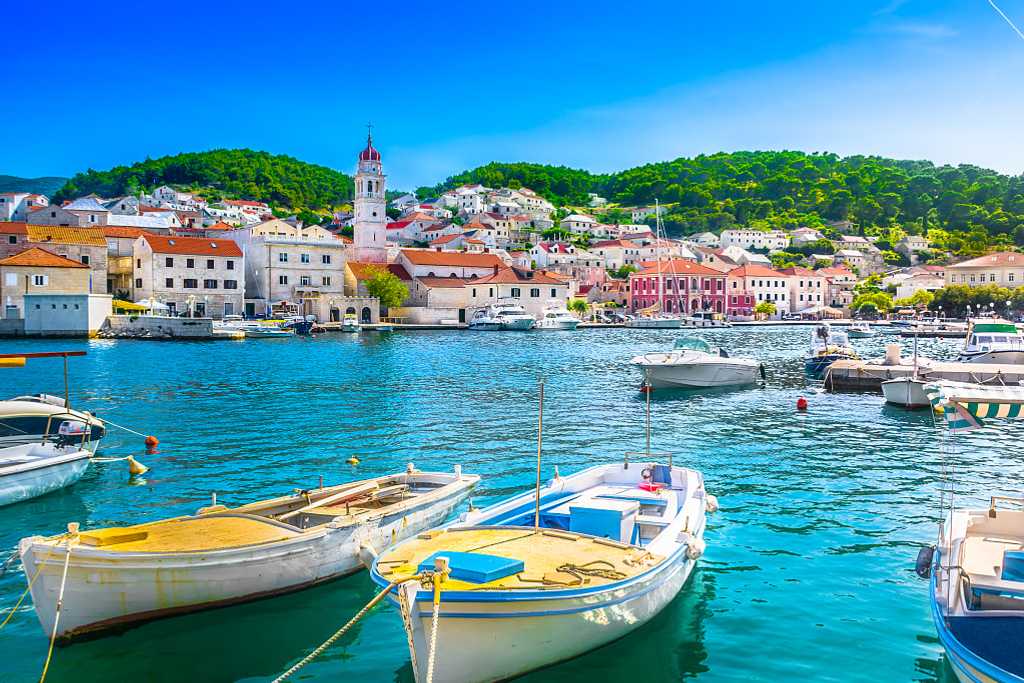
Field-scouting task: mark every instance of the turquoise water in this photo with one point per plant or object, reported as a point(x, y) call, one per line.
point(808, 573)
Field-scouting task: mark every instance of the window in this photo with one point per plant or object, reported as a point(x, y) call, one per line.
point(230, 264)
point(535, 292)
point(326, 279)
point(231, 284)
point(12, 239)
point(209, 264)
point(282, 257)
point(209, 284)
point(554, 293)
point(168, 262)
point(190, 263)
point(11, 280)
point(189, 283)
point(1009, 277)
point(40, 280)
point(168, 283)
point(325, 259)
point(305, 281)
point(304, 258)
point(85, 259)
point(138, 282)
point(282, 279)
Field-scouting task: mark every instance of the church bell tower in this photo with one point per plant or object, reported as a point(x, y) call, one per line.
point(370, 220)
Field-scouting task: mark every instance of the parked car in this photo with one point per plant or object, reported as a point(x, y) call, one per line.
point(792, 316)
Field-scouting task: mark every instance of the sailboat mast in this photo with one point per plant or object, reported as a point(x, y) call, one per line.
point(657, 256)
point(540, 440)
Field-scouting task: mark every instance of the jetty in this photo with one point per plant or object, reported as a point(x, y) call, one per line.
point(861, 375)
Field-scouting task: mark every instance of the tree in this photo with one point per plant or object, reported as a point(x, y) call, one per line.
point(919, 299)
point(765, 309)
point(386, 286)
point(623, 272)
point(577, 306)
point(877, 301)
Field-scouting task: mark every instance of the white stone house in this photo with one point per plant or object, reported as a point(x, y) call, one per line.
point(16, 206)
point(190, 274)
point(771, 240)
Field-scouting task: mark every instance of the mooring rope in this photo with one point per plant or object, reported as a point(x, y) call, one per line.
point(22, 598)
point(60, 604)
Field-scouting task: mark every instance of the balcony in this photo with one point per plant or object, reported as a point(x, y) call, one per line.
point(119, 265)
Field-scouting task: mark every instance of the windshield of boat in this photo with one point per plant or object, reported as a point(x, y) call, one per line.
point(692, 344)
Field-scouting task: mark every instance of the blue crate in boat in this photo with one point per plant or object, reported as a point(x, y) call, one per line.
point(475, 567)
point(1013, 566)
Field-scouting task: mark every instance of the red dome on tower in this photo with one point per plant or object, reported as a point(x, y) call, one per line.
point(370, 153)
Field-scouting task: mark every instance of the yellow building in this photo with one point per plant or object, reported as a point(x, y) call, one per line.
point(1003, 268)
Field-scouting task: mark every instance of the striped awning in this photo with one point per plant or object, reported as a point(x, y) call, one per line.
point(966, 405)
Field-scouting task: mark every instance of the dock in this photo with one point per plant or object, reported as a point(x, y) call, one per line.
point(860, 375)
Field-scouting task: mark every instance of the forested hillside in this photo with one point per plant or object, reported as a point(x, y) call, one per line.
point(46, 185)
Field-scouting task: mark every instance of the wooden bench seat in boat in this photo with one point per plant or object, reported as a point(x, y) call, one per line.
point(190, 534)
point(541, 552)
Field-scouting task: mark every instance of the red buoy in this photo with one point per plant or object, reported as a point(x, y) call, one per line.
point(801, 403)
point(152, 441)
point(646, 388)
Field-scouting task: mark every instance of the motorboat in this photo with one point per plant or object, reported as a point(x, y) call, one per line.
point(860, 331)
point(300, 325)
point(222, 555)
point(549, 574)
point(556, 316)
point(993, 341)
point(350, 323)
point(906, 392)
point(24, 420)
point(827, 346)
point(935, 330)
point(503, 315)
point(262, 330)
point(976, 567)
point(29, 470)
point(695, 363)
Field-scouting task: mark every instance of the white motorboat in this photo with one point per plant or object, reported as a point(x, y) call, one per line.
point(827, 346)
point(503, 315)
point(694, 363)
point(484, 319)
point(860, 331)
point(993, 341)
point(557, 317)
point(24, 420)
point(706, 319)
point(660, 322)
point(221, 555)
point(550, 574)
point(34, 469)
point(907, 392)
point(258, 330)
point(976, 568)
point(350, 323)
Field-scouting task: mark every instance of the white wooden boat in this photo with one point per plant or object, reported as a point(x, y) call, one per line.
point(221, 555)
point(608, 555)
point(906, 392)
point(34, 469)
point(24, 420)
point(695, 364)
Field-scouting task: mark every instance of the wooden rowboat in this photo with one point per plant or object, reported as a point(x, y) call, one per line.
point(220, 556)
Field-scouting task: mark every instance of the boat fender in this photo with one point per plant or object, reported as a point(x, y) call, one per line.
point(761, 370)
point(711, 503)
point(367, 554)
point(923, 566)
point(695, 548)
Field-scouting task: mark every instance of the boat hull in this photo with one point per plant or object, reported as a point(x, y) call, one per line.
point(494, 639)
point(905, 392)
point(39, 479)
point(858, 334)
point(106, 590)
point(699, 375)
point(1007, 357)
point(520, 324)
point(558, 324)
point(655, 323)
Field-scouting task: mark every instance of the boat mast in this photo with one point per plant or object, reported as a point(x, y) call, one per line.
point(657, 256)
point(540, 441)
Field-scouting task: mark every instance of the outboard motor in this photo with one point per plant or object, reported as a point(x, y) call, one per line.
point(925, 558)
point(71, 432)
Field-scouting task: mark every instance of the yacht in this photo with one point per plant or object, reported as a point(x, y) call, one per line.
point(694, 363)
point(706, 319)
point(860, 331)
point(557, 317)
point(350, 323)
point(827, 346)
point(993, 341)
point(504, 315)
point(663, 322)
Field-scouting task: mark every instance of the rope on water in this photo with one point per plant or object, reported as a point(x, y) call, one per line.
point(344, 629)
point(14, 609)
point(60, 604)
point(122, 427)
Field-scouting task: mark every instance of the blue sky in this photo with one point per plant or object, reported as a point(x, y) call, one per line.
point(598, 85)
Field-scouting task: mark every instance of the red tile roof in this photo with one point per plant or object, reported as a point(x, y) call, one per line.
point(835, 270)
point(754, 270)
point(245, 202)
point(999, 259)
point(398, 225)
point(40, 258)
point(427, 257)
point(123, 231)
point(675, 267)
point(445, 239)
point(513, 276)
point(800, 270)
point(443, 282)
point(13, 228)
point(192, 246)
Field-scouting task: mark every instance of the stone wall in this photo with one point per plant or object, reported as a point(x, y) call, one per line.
point(159, 326)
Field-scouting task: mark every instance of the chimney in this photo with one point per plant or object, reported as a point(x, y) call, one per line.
point(495, 270)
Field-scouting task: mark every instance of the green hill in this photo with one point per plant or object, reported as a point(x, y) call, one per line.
point(46, 185)
point(277, 179)
point(963, 208)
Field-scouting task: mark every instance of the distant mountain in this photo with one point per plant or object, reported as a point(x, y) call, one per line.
point(277, 179)
point(46, 185)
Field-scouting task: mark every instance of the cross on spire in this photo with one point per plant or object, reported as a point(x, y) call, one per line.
point(369, 136)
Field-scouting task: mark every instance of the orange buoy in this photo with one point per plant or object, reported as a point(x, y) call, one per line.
point(801, 403)
point(152, 441)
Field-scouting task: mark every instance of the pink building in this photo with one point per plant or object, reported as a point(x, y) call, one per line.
point(680, 285)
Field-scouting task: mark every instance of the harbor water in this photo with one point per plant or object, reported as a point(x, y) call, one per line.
point(808, 573)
